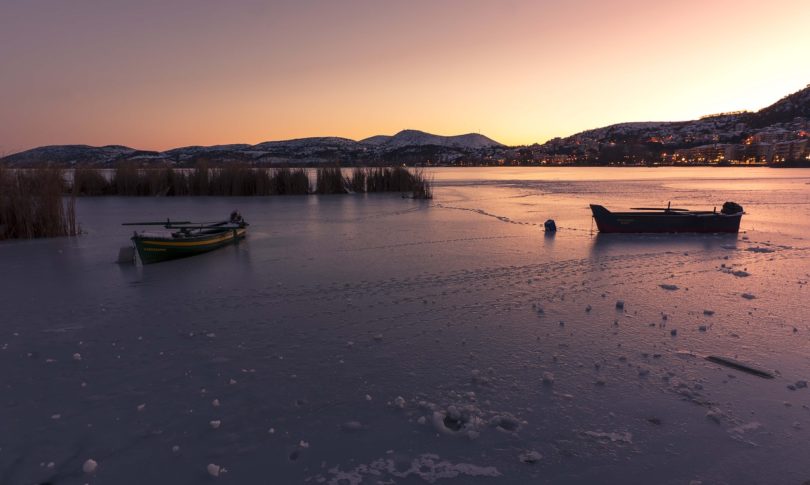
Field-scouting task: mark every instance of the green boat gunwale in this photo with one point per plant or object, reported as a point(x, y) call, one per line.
point(190, 239)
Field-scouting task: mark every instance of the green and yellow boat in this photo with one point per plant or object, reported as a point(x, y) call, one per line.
point(187, 239)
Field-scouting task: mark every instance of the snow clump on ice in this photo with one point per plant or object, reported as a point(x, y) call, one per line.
point(90, 466)
point(215, 470)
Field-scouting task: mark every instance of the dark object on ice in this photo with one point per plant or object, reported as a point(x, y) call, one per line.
point(188, 239)
point(736, 364)
point(668, 219)
point(452, 423)
point(236, 218)
point(550, 225)
point(126, 255)
point(731, 208)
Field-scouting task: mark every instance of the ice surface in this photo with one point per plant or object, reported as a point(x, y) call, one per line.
point(453, 311)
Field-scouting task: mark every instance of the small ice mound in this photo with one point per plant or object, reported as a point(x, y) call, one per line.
point(215, 423)
point(744, 428)
point(715, 415)
point(215, 403)
point(620, 304)
point(708, 313)
point(702, 328)
point(352, 426)
point(90, 466)
point(674, 332)
point(668, 287)
point(453, 421)
point(748, 296)
point(400, 402)
point(505, 422)
point(141, 407)
point(77, 357)
point(428, 468)
point(548, 378)
point(530, 457)
point(215, 470)
point(618, 437)
point(476, 377)
point(800, 384)
point(588, 308)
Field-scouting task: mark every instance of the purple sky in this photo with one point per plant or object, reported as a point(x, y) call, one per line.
point(159, 74)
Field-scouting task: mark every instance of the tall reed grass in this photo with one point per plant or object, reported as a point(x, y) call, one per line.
point(392, 179)
point(330, 180)
point(32, 204)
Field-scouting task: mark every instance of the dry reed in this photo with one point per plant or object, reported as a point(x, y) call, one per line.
point(32, 205)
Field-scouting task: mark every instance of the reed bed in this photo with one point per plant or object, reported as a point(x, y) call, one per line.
point(244, 180)
point(32, 205)
point(392, 179)
point(233, 180)
point(289, 181)
point(330, 180)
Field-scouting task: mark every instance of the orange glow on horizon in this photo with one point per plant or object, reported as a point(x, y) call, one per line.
point(155, 76)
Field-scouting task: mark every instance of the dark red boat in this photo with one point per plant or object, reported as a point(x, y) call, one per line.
point(648, 219)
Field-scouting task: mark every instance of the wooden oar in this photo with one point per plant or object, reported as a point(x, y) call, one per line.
point(164, 223)
point(658, 209)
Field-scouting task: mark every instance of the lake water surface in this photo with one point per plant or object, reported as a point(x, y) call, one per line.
point(374, 339)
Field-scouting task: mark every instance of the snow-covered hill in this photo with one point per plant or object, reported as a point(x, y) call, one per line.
point(301, 150)
point(407, 138)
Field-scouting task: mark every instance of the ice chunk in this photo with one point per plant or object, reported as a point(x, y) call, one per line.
point(619, 437)
point(90, 466)
point(215, 470)
point(530, 457)
point(352, 426)
point(668, 287)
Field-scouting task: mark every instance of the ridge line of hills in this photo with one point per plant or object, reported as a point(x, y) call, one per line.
point(777, 133)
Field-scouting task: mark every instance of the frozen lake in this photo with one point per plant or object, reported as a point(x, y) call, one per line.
point(379, 340)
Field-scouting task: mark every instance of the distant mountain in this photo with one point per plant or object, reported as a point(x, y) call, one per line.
point(70, 154)
point(783, 111)
point(407, 146)
point(407, 138)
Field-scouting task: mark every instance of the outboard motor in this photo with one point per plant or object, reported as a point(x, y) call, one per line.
point(550, 225)
point(731, 208)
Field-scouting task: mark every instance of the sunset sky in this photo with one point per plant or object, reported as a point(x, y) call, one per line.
point(156, 74)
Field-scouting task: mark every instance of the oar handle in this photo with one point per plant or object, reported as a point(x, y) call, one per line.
point(163, 223)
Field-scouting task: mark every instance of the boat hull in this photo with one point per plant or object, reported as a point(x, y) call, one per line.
point(156, 249)
point(665, 222)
